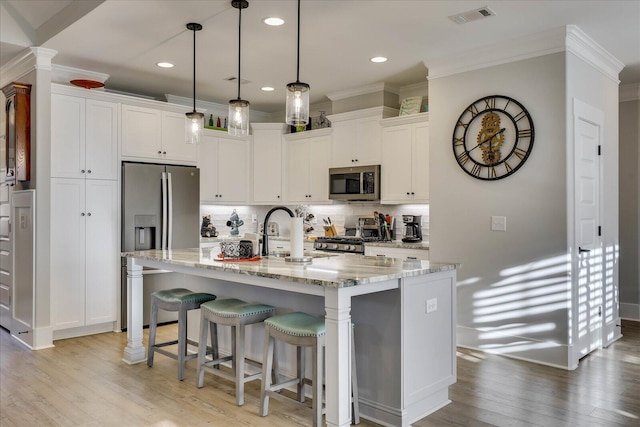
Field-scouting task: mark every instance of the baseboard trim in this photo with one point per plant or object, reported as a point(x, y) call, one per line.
point(541, 352)
point(630, 311)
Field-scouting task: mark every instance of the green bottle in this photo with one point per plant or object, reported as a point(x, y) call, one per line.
point(211, 120)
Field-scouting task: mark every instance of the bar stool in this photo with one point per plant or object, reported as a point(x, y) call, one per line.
point(237, 314)
point(301, 330)
point(180, 300)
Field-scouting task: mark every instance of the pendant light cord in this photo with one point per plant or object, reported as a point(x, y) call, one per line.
point(298, 64)
point(194, 70)
point(239, 45)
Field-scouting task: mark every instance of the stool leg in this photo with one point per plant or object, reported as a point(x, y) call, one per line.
point(182, 341)
point(152, 332)
point(239, 361)
point(355, 406)
point(214, 342)
point(202, 349)
point(300, 353)
point(317, 384)
point(267, 360)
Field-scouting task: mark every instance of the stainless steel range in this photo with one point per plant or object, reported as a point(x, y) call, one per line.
point(344, 244)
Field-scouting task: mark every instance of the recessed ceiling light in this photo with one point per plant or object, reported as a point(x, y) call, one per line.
point(165, 64)
point(378, 59)
point(267, 89)
point(273, 21)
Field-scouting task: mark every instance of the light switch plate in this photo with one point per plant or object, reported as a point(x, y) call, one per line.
point(498, 223)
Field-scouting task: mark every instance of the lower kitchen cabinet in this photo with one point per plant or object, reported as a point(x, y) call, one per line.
point(307, 162)
point(84, 252)
point(224, 168)
point(405, 168)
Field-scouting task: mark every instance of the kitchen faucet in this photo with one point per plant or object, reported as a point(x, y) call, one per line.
point(265, 241)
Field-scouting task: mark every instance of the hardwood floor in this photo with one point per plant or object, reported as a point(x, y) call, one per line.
point(82, 382)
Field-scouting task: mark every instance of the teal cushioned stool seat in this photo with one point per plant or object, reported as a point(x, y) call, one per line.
point(237, 314)
point(180, 300)
point(301, 330)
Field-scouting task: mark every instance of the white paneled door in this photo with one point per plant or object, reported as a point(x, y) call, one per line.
point(588, 124)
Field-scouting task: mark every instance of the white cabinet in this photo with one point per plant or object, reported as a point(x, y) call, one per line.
point(267, 163)
point(356, 139)
point(84, 138)
point(405, 166)
point(155, 135)
point(307, 165)
point(84, 252)
point(224, 168)
point(391, 252)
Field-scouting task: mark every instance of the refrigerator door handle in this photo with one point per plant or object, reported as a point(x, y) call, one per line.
point(170, 211)
point(164, 211)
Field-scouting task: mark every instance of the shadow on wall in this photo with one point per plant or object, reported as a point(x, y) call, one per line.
point(528, 307)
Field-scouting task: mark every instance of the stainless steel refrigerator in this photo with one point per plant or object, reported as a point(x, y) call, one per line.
point(160, 210)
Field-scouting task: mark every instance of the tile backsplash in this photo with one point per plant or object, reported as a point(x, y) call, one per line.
point(337, 212)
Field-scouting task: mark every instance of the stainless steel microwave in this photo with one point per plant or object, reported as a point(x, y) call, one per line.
point(357, 183)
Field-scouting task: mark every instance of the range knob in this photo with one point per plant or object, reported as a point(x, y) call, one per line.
point(333, 246)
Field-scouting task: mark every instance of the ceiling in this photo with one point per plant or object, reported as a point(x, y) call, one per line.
point(125, 39)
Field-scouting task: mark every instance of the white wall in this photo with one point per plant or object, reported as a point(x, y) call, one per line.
point(513, 286)
point(630, 209)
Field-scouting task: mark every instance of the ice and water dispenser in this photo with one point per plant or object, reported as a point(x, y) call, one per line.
point(145, 231)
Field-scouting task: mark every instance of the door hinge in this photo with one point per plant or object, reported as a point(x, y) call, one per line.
point(599, 150)
point(599, 230)
point(600, 311)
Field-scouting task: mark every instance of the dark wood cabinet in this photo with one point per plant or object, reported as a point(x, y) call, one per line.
point(18, 132)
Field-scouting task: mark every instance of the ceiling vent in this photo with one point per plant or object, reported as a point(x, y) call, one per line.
point(473, 15)
point(234, 78)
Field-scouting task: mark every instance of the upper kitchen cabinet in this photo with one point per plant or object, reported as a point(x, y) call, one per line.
point(405, 166)
point(155, 135)
point(308, 157)
point(356, 139)
point(267, 162)
point(84, 138)
point(224, 168)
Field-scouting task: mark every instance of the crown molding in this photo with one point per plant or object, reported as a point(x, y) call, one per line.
point(511, 50)
point(568, 38)
point(30, 59)
point(629, 92)
point(585, 48)
point(403, 120)
point(63, 74)
point(362, 90)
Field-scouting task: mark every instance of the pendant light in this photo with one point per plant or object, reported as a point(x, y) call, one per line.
point(297, 111)
point(195, 120)
point(239, 108)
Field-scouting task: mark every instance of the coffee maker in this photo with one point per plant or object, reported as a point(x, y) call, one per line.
point(412, 230)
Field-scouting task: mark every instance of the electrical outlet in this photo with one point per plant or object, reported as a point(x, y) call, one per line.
point(431, 305)
point(498, 223)
point(254, 218)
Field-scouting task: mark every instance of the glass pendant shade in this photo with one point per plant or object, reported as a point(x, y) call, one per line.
point(238, 117)
point(297, 109)
point(195, 123)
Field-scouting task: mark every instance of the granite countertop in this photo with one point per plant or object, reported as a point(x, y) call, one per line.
point(332, 271)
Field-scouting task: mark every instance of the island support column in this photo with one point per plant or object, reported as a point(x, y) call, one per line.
point(337, 303)
point(135, 351)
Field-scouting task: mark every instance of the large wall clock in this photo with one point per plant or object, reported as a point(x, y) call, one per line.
point(493, 137)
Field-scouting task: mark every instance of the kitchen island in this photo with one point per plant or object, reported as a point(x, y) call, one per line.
point(403, 311)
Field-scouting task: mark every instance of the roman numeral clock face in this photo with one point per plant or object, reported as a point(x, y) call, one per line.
point(493, 137)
